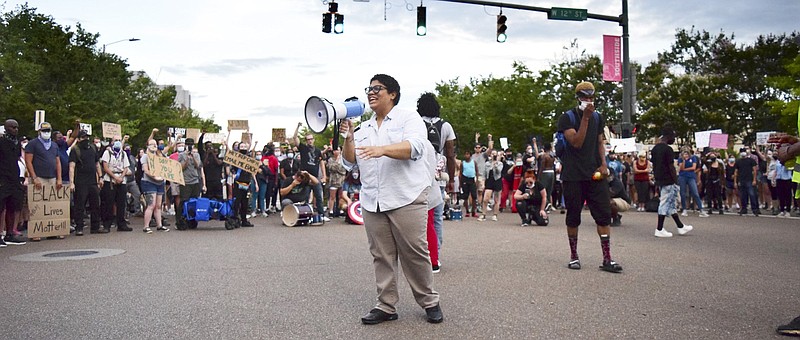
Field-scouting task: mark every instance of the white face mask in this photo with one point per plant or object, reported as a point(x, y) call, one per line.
point(277, 153)
point(584, 105)
point(46, 135)
point(181, 148)
point(290, 155)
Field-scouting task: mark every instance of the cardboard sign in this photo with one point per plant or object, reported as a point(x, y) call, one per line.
point(238, 125)
point(193, 134)
point(216, 138)
point(241, 161)
point(111, 130)
point(763, 137)
point(718, 141)
point(278, 135)
point(504, 143)
point(166, 168)
point(247, 138)
point(87, 128)
point(49, 209)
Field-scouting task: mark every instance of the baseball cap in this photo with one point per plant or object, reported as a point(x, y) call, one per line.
point(45, 126)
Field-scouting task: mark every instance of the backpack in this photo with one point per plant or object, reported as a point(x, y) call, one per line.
point(435, 134)
point(561, 142)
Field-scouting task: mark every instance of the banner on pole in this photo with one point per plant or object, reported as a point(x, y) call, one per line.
point(49, 208)
point(612, 58)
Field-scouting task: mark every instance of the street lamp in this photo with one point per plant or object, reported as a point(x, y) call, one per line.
point(118, 41)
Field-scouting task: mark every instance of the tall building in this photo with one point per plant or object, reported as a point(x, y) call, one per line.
point(183, 98)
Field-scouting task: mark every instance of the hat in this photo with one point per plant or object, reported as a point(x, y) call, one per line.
point(189, 141)
point(83, 133)
point(584, 89)
point(667, 132)
point(45, 126)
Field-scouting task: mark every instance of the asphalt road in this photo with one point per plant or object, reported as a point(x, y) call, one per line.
point(731, 278)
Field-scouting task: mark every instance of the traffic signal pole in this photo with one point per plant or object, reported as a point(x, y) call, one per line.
point(622, 20)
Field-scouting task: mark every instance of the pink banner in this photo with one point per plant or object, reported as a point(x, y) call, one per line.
point(612, 58)
point(718, 141)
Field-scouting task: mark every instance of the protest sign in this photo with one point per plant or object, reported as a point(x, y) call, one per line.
point(504, 142)
point(216, 138)
point(87, 128)
point(38, 119)
point(49, 208)
point(247, 138)
point(701, 138)
point(238, 125)
point(193, 134)
point(718, 140)
point(174, 131)
point(111, 130)
point(242, 161)
point(763, 137)
point(623, 144)
point(166, 168)
point(278, 135)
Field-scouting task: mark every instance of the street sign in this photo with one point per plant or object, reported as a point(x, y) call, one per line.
point(573, 14)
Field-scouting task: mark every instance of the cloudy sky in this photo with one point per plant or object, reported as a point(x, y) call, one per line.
point(260, 60)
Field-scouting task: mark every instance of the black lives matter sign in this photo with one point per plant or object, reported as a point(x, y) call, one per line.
point(49, 207)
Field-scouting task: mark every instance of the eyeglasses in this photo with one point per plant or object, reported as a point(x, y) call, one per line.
point(310, 138)
point(373, 89)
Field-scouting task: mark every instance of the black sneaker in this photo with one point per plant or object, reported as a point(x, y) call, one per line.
point(246, 224)
point(435, 268)
point(611, 267)
point(791, 328)
point(14, 240)
point(2, 243)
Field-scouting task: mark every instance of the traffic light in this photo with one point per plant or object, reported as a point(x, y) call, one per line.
point(501, 28)
point(326, 22)
point(422, 29)
point(338, 23)
point(635, 128)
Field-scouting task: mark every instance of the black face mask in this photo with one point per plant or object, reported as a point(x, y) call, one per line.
point(713, 159)
point(244, 152)
point(84, 144)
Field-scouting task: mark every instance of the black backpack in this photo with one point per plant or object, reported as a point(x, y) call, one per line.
point(435, 134)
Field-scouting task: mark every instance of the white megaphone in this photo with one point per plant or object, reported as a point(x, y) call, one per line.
point(320, 112)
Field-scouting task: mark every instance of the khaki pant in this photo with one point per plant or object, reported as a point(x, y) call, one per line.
point(401, 233)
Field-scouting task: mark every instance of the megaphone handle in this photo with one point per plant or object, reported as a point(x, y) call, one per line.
point(336, 124)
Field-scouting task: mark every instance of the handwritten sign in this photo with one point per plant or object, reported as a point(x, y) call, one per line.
point(621, 145)
point(216, 138)
point(718, 141)
point(166, 168)
point(49, 211)
point(87, 128)
point(111, 130)
point(247, 138)
point(763, 137)
point(193, 134)
point(702, 138)
point(278, 135)
point(174, 131)
point(238, 125)
point(241, 161)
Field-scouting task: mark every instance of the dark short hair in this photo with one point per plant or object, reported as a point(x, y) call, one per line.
point(427, 106)
point(392, 86)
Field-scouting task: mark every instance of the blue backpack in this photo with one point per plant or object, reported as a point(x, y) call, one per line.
point(561, 142)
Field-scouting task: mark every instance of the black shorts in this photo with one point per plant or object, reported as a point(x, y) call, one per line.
point(595, 194)
point(11, 197)
point(494, 185)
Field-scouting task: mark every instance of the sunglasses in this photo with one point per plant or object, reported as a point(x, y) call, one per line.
point(373, 89)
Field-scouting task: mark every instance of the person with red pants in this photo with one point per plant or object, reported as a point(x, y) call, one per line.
point(508, 179)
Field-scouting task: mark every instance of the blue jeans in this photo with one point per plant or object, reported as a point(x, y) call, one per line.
point(253, 195)
point(748, 192)
point(690, 185)
point(438, 219)
point(320, 207)
point(262, 195)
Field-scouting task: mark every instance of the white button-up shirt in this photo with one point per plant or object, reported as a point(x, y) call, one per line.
point(386, 182)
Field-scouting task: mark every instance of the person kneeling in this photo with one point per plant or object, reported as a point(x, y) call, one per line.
point(530, 202)
point(297, 189)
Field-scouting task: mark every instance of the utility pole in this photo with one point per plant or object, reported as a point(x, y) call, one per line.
point(576, 14)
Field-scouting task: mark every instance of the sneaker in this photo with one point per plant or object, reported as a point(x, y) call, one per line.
point(791, 328)
point(265, 215)
point(482, 218)
point(685, 230)
point(2, 243)
point(611, 267)
point(574, 264)
point(549, 207)
point(524, 224)
point(435, 269)
point(684, 213)
point(147, 230)
point(162, 228)
point(494, 217)
point(663, 233)
point(247, 224)
point(14, 240)
point(703, 214)
point(325, 219)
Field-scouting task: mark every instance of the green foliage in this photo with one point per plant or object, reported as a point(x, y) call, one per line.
point(55, 68)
